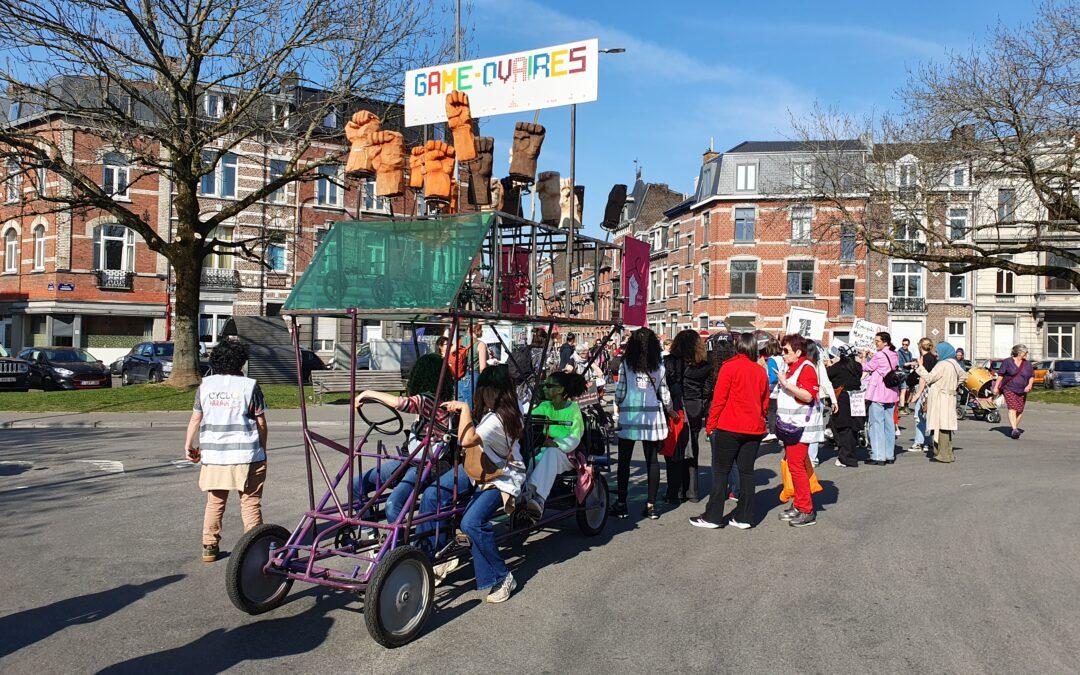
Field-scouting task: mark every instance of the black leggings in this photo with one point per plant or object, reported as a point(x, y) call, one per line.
point(652, 463)
point(730, 448)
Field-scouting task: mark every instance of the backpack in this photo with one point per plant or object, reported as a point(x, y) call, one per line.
point(895, 377)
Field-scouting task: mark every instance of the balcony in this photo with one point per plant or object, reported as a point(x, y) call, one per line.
point(114, 280)
point(215, 279)
point(1006, 298)
point(907, 305)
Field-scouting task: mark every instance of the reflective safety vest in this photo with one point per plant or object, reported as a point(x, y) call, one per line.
point(228, 434)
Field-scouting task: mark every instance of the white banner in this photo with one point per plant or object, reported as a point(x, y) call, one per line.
point(539, 78)
point(809, 323)
point(862, 334)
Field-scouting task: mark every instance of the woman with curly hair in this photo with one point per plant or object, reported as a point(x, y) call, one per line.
point(642, 396)
point(560, 440)
point(690, 381)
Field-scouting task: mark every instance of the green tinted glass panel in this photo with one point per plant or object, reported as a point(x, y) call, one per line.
point(389, 265)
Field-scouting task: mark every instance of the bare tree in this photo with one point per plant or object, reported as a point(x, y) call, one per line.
point(175, 85)
point(997, 131)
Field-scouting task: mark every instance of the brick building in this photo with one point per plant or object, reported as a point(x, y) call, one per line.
point(78, 278)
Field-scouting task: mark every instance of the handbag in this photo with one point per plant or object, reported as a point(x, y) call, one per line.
point(675, 419)
point(790, 433)
point(789, 485)
point(479, 467)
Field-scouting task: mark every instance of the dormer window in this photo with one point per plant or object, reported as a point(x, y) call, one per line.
point(282, 114)
point(330, 121)
point(214, 105)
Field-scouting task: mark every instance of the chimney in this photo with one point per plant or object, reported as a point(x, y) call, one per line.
point(290, 80)
point(962, 133)
point(709, 155)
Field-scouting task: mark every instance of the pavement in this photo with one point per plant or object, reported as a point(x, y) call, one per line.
point(969, 567)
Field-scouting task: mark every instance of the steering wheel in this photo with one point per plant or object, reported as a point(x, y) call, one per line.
point(383, 423)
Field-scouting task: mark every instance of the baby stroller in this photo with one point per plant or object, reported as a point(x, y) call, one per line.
point(980, 408)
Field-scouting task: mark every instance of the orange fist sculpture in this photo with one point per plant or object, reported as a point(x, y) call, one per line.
point(357, 130)
point(547, 191)
point(459, 118)
point(479, 171)
point(527, 141)
point(438, 165)
point(416, 168)
point(387, 152)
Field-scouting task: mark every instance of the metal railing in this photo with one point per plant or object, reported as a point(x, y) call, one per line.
point(114, 280)
point(907, 305)
point(220, 279)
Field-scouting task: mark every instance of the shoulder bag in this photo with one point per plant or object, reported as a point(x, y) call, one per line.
point(790, 433)
point(895, 377)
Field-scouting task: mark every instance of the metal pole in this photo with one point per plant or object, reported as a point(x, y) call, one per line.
point(573, 195)
point(457, 31)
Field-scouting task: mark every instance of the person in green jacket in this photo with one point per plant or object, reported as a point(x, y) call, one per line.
point(561, 439)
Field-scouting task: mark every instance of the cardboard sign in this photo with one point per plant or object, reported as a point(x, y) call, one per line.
point(809, 323)
point(862, 334)
point(635, 281)
point(539, 78)
point(858, 403)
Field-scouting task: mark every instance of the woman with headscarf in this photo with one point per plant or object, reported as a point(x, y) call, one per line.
point(940, 398)
point(846, 376)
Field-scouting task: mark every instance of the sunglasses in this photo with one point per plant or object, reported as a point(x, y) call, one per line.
point(552, 385)
point(787, 350)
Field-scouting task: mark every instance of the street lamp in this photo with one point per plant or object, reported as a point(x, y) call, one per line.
point(573, 188)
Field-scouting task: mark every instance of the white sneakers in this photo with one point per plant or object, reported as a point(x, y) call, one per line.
point(501, 592)
point(769, 438)
point(737, 525)
point(443, 570)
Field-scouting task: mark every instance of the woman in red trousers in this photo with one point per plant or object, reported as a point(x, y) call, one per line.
point(797, 407)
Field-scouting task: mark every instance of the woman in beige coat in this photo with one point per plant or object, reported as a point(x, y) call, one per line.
point(940, 399)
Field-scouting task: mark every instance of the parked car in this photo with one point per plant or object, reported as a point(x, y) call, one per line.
point(152, 362)
point(310, 361)
point(14, 373)
point(1040, 368)
point(1062, 374)
point(65, 368)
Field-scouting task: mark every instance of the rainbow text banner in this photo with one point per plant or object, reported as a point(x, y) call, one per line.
point(539, 78)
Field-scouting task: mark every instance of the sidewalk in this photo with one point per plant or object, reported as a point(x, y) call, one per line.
point(318, 416)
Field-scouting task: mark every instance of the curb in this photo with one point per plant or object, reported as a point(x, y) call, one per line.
point(33, 424)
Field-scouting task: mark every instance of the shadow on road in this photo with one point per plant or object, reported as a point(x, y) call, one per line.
point(33, 625)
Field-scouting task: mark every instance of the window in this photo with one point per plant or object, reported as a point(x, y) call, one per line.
point(704, 280)
point(674, 282)
point(14, 181)
point(325, 334)
point(1004, 284)
point(221, 181)
point(214, 105)
point(958, 224)
point(11, 251)
point(847, 297)
point(744, 225)
point(957, 282)
point(906, 232)
point(277, 170)
point(847, 242)
point(746, 177)
point(330, 120)
point(42, 179)
point(220, 260)
point(210, 326)
point(959, 177)
point(1006, 210)
point(744, 277)
point(800, 277)
point(956, 333)
point(1060, 339)
point(675, 240)
point(803, 175)
point(703, 323)
point(39, 247)
point(907, 280)
point(1054, 283)
point(275, 257)
point(907, 176)
point(654, 283)
point(321, 232)
point(371, 202)
point(282, 114)
point(114, 248)
point(114, 179)
point(800, 224)
point(328, 186)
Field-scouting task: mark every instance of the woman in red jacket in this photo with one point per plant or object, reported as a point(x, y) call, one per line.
point(735, 427)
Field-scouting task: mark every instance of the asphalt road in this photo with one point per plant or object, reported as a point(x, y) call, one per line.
point(912, 567)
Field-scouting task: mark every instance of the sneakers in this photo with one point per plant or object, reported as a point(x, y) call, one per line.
point(769, 438)
point(535, 507)
point(443, 570)
point(788, 514)
point(917, 447)
point(501, 591)
point(803, 519)
point(739, 525)
point(650, 512)
point(618, 509)
point(1015, 434)
point(731, 497)
point(699, 521)
point(210, 553)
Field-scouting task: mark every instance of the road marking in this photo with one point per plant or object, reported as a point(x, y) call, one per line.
point(183, 463)
point(106, 465)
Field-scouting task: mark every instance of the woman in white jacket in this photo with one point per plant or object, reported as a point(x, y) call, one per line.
point(828, 394)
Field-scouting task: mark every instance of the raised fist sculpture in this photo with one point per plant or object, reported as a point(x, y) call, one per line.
point(438, 165)
point(479, 170)
point(565, 188)
point(358, 130)
point(616, 199)
point(511, 197)
point(527, 141)
point(459, 118)
point(416, 168)
point(547, 191)
point(579, 203)
point(496, 201)
point(387, 152)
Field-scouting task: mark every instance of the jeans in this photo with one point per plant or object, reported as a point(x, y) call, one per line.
point(364, 485)
point(920, 423)
point(439, 494)
point(732, 455)
point(652, 463)
point(487, 563)
point(812, 452)
point(882, 431)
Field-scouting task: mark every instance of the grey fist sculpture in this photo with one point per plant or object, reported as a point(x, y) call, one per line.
point(613, 210)
point(547, 191)
point(479, 170)
point(527, 141)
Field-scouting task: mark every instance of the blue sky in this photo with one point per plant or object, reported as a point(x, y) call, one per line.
point(729, 71)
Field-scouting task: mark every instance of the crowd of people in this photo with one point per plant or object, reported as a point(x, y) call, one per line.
point(743, 390)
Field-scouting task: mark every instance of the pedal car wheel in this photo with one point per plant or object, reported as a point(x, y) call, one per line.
point(400, 597)
point(250, 589)
point(960, 412)
point(593, 514)
point(993, 417)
